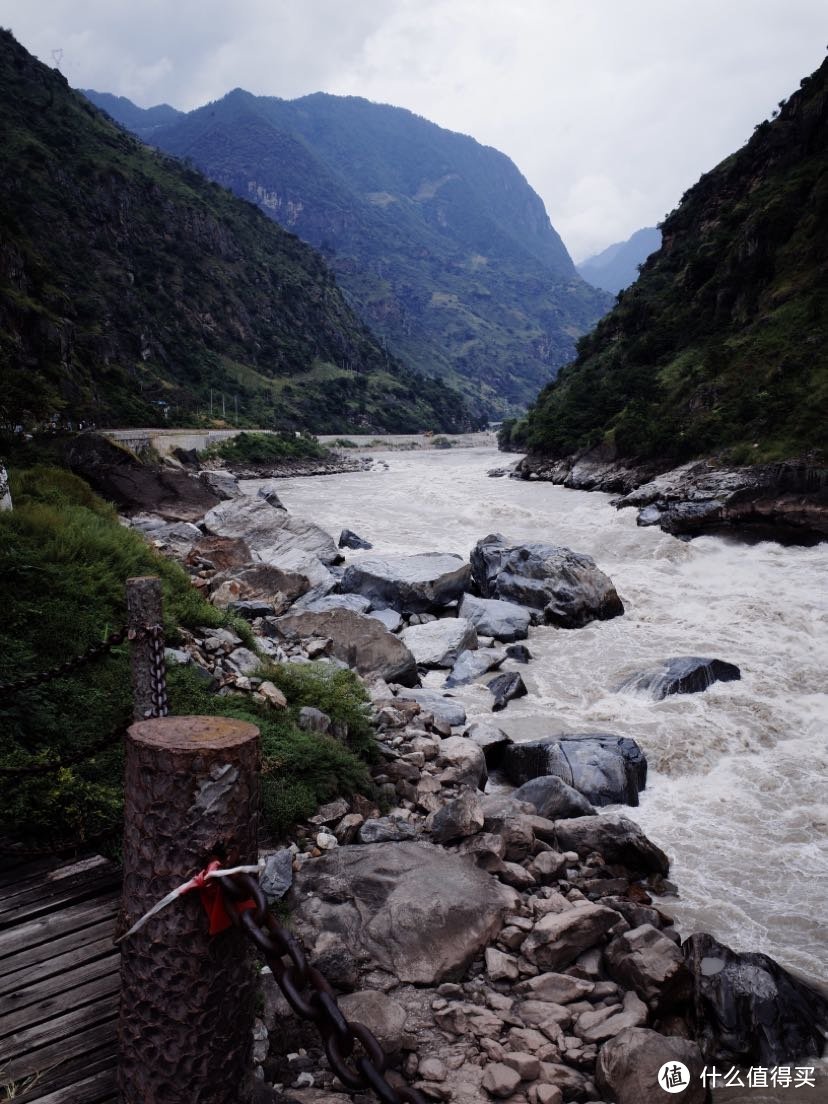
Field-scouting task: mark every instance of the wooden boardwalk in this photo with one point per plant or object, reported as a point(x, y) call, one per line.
point(58, 981)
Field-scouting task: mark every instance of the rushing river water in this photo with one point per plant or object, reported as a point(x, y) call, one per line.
point(736, 792)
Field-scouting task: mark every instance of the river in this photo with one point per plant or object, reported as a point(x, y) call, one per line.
point(737, 775)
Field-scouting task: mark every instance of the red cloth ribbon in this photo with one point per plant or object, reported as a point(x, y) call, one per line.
point(212, 899)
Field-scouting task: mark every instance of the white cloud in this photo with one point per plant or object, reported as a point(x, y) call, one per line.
point(611, 110)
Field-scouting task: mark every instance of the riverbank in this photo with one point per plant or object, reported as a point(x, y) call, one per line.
point(418, 749)
point(787, 501)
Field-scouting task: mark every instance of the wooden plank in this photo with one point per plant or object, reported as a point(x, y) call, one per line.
point(70, 1077)
point(22, 872)
point(55, 1059)
point(33, 1026)
point(49, 896)
point(97, 1089)
point(40, 989)
point(45, 928)
point(16, 890)
point(48, 959)
point(62, 1038)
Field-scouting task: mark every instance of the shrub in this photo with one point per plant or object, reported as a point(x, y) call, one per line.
point(266, 448)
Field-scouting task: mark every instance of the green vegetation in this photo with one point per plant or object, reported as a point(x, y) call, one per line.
point(439, 242)
point(133, 291)
point(266, 448)
point(722, 343)
point(64, 559)
point(343, 442)
point(441, 443)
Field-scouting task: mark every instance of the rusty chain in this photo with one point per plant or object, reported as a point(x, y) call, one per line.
point(158, 670)
point(311, 997)
point(93, 652)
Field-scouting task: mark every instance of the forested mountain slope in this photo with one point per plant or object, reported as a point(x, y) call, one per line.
point(441, 244)
point(130, 286)
point(721, 345)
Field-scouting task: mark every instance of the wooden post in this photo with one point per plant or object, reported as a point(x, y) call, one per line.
point(143, 595)
point(187, 999)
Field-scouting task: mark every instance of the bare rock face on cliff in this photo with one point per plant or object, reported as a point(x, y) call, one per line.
point(568, 586)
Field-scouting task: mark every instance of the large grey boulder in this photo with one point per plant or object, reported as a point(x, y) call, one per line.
point(278, 586)
point(618, 839)
point(413, 909)
point(629, 1066)
point(559, 937)
point(221, 483)
point(606, 769)
point(354, 602)
point(443, 707)
point(439, 643)
point(470, 666)
point(409, 584)
point(645, 960)
point(566, 585)
point(680, 675)
point(491, 617)
point(269, 531)
point(462, 762)
point(748, 1010)
point(360, 641)
point(553, 798)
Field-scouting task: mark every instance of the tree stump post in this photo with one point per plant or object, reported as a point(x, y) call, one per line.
point(146, 653)
point(187, 999)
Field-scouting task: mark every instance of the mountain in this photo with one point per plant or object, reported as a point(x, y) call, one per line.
point(131, 286)
point(616, 267)
point(439, 242)
point(721, 345)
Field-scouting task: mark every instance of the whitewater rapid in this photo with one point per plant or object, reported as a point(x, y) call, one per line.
point(737, 775)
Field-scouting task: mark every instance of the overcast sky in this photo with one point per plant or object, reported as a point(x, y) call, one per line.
point(610, 108)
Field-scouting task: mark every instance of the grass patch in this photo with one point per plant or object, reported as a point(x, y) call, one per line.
point(64, 560)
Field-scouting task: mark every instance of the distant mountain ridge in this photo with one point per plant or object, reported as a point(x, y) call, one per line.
point(439, 242)
point(721, 345)
point(131, 286)
point(616, 267)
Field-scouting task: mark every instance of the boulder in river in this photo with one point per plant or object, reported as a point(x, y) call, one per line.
point(439, 643)
point(748, 1010)
point(354, 602)
point(616, 838)
point(566, 585)
point(505, 688)
point(413, 909)
point(553, 798)
point(681, 675)
point(491, 617)
point(629, 1066)
point(360, 641)
point(471, 665)
point(409, 584)
point(349, 539)
point(269, 531)
point(606, 769)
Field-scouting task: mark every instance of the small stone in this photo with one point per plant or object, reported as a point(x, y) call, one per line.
point(314, 720)
point(432, 1069)
point(500, 1080)
point(273, 695)
point(500, 966)
point(325, 841)
point(527, 1066)
point(549, 1094)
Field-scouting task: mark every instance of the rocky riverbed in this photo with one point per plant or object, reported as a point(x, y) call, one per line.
point(508, 944)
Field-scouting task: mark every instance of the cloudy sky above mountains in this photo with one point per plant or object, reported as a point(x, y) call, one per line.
point(610, 109)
